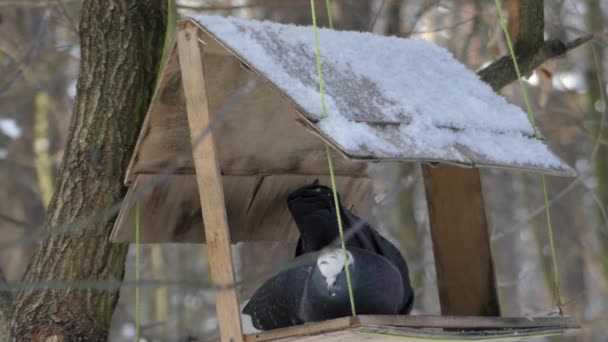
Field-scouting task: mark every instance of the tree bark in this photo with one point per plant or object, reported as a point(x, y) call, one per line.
point(5, 303)
point(121, 46)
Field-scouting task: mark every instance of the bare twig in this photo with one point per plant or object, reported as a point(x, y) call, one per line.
point(444, 28)
point(600, 84)
point(252, 4)
point(42, 29)
point(15, 222)
point(32, 3)
point(372, 22)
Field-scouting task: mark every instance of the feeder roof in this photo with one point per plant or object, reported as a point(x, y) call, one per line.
point(388, 98)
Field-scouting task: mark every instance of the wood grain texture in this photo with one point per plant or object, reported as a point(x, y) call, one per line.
point(412, 328)
point(461, 243)
point(209, 185)
point(256, 206)
point(260, 134)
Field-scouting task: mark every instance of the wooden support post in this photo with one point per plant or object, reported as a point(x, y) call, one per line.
point(209, 184)
point(461, 243)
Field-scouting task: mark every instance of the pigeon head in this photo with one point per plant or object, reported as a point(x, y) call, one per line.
point(331, 264)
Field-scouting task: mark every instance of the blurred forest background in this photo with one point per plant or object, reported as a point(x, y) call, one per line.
point(39, 59)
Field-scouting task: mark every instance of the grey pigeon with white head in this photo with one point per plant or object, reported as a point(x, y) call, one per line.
point(315, 287)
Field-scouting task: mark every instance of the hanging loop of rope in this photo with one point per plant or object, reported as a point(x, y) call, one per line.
point(332, 176)
point(556, 283)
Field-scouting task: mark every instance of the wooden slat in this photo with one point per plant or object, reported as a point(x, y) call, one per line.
point(412, 328)
point(166, 113)
point(260, 134)
point(170, 210)
point(461, 244)
point(303, 330)
point(468, 322)
point(388, 333)
point(209, 185)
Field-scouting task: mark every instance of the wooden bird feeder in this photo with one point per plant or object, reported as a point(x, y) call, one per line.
point(245, 95)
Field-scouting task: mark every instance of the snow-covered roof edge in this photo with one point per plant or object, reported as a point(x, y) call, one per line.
point(459, 154)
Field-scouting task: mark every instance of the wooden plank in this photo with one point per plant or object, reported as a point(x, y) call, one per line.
point(388, 328)
point(167, 101)
point(170, 210)
point(461, 243)
point(256, 206)
point(167, 213)
point(388, 333)
point(262, 119)
point(209, 185)
point(468, 322)
point(303, 330)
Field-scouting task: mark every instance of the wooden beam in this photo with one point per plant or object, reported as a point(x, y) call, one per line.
point(209, 184)
point(410, 328)
point(461, 243)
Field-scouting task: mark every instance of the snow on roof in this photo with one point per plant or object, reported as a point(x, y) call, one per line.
point(388, 97)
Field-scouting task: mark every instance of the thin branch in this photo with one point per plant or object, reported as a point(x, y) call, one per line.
point(600, 84)
point(252, 4)
point(443, 28)
point(372, 22)
point(32, 3)
point(63, 11)
point(36, 42)
point(502, 72)
point(15, 222)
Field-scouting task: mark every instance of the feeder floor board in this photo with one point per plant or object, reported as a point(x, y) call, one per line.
point(420, 328)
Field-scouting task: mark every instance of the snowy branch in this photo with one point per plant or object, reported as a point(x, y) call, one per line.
point(531, 49)
point(502, 72)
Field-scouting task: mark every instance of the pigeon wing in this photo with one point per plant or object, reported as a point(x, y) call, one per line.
point(275, 304)
point(369, 239)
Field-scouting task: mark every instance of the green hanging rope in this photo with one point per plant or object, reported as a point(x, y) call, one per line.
point(327, 150)
point(318, 59)
point(524, 94)
point(537, 135)
point(329, 15)
point(137, 271)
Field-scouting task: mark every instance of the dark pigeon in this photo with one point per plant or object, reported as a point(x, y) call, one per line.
point(316, 289)
point(313, 210)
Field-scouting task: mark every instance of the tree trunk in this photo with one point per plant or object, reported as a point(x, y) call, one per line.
point(121, 45)
point(5, 302)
